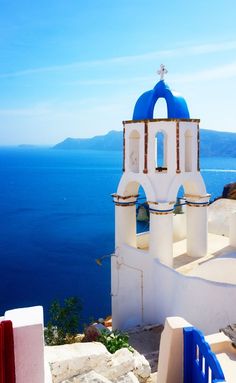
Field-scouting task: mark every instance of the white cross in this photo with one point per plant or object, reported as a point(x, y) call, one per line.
point(162, 71)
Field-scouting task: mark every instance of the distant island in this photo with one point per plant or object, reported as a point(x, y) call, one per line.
point(28, 146)
point(213, 143)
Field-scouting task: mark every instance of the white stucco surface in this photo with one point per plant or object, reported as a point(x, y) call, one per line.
point(218, 245)
point(28, 343)
point(219, 216)
point(25, 316)
point(232, 229)
point(179, 227)
point(170, 363)
point(144, 291)
point(219, 270)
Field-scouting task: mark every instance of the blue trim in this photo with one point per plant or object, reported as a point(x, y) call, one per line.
point(125, 203)
point(161, 211)
point(176, 104)
point(197, 203)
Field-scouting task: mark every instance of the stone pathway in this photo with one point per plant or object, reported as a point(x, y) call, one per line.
point(146, 341)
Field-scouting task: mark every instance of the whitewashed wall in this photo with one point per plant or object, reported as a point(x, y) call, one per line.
point(219, 214)
point(146, 292)
point(220, 270)
point(28, 343)
point(179, 227)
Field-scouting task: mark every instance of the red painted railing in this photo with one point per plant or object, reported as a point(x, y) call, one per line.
point(7, 360)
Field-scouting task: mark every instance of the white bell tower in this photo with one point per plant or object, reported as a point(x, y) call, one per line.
point(160, 175)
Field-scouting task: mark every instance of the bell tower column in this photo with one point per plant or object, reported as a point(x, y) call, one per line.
point(125, 220)
point(161, 231)
point(197, 225)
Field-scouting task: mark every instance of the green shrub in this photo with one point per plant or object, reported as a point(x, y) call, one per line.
point(114, 340)
point(63, 325)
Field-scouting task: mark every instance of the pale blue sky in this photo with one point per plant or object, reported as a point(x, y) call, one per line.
point(76, 68)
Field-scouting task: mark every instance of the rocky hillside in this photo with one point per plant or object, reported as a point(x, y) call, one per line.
point(213, 143)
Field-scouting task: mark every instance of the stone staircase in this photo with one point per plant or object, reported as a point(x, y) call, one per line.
point(146, 340)
point(152, 358)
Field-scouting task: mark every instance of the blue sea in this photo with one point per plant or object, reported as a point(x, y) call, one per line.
point(57, 217)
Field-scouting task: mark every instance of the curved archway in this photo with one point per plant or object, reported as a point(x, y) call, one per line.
point(192, 185)
point(192, 225)
point(142, 211)
point(161, 147)
point(160, 109)
point(139, 223)
point(129, 185)
point(179, 218)
point(176, 105)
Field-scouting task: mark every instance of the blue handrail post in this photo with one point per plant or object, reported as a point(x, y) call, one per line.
point(188, 354)
point(197, 351)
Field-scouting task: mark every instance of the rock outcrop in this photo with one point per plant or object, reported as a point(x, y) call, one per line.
point(94, 377)
point(91, 362)
point(229, 191)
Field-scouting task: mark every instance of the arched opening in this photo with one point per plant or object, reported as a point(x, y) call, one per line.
point(180, 257)
point(179, 218)
point(135, 219)
point(160, 109)
point(134, 140)
point(188, 150)
point(161, 151)
point(142, 212)
point(189, 224)
point(142, 220)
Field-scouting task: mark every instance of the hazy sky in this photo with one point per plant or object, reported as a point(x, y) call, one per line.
point(73, 68)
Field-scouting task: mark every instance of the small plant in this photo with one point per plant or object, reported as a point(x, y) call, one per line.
point(63, 325)
point(114, 340)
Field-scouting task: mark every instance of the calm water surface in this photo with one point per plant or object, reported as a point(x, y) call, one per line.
point(57, 217)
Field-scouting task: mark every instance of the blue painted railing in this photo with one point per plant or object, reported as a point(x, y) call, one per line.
point(200, 363)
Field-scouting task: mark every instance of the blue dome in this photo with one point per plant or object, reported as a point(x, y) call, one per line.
point(176, 105)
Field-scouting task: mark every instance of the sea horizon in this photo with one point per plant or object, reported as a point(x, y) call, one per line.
point(57, 218)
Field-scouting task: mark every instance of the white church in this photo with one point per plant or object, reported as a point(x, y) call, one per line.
point(185, 265)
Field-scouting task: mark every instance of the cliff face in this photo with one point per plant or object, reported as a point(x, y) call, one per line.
point(213, 144)
point(229, 191)
point(110, 141)
point(217, 144)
